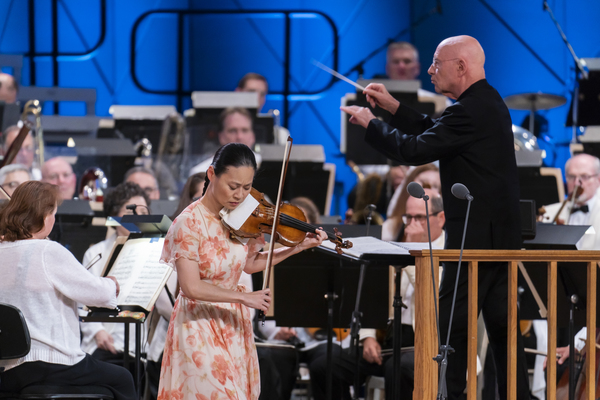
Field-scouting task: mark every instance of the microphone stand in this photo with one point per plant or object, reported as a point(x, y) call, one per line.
point(356, 314)
point(359, 67)
point(579, 67)
point(442, 358)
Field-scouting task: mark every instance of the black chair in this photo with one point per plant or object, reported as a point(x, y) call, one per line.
point(15, 342)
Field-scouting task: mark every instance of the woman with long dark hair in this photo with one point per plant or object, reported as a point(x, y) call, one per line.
point(209, 351)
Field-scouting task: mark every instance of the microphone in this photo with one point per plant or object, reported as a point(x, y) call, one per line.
point(416, 190)
point(370, 208)
point(132, 207)
point(460, 191)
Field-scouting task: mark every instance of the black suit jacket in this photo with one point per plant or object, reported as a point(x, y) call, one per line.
point(473, 142)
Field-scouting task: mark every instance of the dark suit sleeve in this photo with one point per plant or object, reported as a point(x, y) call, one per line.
point(415, 139)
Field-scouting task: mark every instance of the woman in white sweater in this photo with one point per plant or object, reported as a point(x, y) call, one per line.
point(46, 282)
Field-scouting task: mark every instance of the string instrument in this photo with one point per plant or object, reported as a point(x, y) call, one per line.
point(562, 388)
point(31, 107)
point(291, 228)
point(578, 191)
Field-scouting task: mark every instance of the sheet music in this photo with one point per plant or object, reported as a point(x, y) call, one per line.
point(370, 245)
point(139, 272)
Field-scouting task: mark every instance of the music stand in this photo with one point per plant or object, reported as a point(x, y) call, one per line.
point(336, 276)
point(147, 226)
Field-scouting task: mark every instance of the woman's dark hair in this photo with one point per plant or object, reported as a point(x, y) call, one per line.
point(24, 214)
point(231, 155)
point(119, 195)
point(189, 190)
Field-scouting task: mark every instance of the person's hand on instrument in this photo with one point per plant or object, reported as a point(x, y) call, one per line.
point(377, 94)
point(562, 353)
point(372, 351)
point(359, 115)
point(261, 300)
point(312, 240)
point(285, 334)
point(105, 341)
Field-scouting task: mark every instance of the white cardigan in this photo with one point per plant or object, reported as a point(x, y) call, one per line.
point(46, 282)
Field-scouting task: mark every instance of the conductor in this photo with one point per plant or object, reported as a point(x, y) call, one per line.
point(473, 142)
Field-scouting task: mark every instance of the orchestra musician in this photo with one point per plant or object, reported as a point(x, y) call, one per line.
point(58, 171)
point(106, 341)
point(473, 142)
point(11, 176)
point(209, 351)
point(46, 282)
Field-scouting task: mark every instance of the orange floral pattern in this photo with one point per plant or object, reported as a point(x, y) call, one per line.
point(209, 351)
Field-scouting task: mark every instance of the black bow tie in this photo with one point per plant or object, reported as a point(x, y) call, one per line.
point(584, 209)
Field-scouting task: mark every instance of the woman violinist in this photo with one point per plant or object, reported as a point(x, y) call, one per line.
point(209, 351)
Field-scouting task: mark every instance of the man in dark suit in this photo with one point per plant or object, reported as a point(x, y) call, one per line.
point(473, 142)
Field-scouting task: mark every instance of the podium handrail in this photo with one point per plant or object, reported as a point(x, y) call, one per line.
point(426, 339)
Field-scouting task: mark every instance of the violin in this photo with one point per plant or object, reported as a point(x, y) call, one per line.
point(291, 227)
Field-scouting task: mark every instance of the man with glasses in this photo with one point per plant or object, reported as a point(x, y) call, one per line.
point(582, 170)
point(26, 154)
point(59, 172)
point(12, 176)
point(373, 363)
point(473, 142)
point(146, 179)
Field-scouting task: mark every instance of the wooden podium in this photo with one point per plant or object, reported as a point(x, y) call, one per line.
point(426, 371)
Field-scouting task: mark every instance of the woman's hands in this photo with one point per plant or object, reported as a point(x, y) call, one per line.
point(261, 299)
point(116, 283)
point(105, 341)
point(312, 240)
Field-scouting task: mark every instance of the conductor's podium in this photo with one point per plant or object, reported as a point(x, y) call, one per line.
point(426, 344)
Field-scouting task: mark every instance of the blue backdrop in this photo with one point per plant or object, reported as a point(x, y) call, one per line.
point(89, 44)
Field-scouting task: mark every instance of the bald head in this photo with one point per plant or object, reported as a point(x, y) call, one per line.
point(457, 64)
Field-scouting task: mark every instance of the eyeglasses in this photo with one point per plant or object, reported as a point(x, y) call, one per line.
point(149, 190)
point(436, 62)
point(63, 175)
point(11, 185)
point(420, 218)
point(139, 209)
point(583, 178)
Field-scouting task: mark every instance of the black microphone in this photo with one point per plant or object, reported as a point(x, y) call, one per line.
point(132, 207)
point(416, 190)
point(370, 208)
point(460, 191)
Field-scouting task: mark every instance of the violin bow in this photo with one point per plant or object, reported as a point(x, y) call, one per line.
point(267, 274)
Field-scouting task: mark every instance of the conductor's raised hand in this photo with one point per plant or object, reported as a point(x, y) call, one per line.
point(261, 300)
point(378, 95)
point(359, 115)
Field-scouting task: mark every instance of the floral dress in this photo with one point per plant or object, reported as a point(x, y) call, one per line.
point(209, 352)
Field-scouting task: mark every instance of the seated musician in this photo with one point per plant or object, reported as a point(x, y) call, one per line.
point(59, 172)
point(372, 362)
point(146, 179)
point(8, 88)
point(12, 176)
point(581, 170)
point(26, 154)
point(46, 282)
point(105, 341)
point(235, 126)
